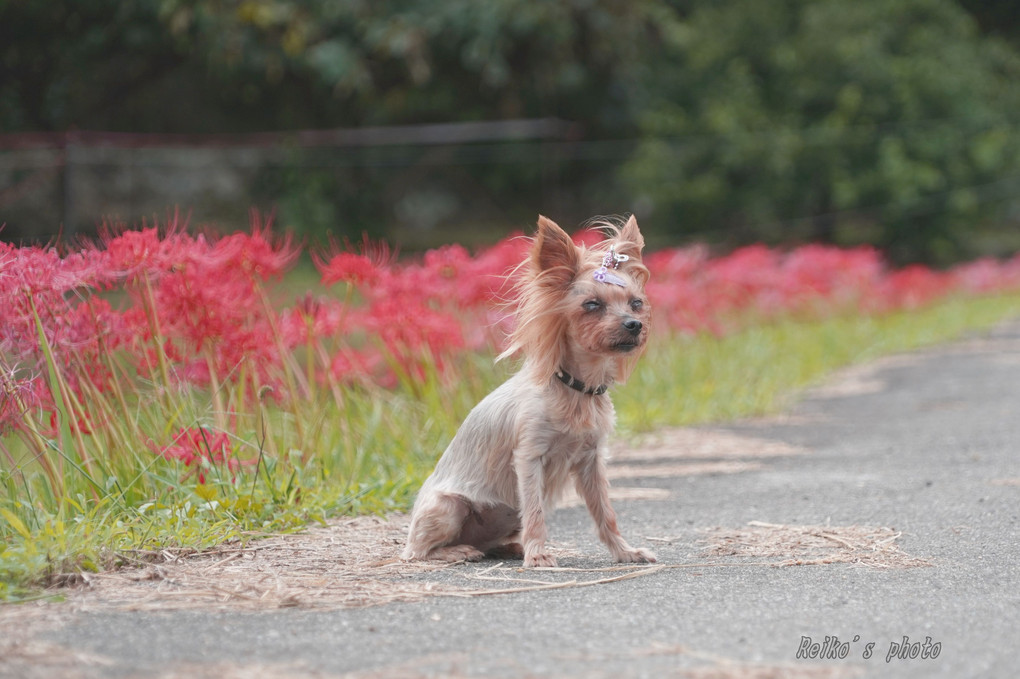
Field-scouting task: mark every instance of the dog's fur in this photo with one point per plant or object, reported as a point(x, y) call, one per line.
point(518, 448)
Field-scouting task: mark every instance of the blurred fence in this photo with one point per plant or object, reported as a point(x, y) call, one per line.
point(424, 185)
point(417, 185)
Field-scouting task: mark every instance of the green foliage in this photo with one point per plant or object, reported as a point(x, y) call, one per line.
point(271, 64)
point(62, 64)
point(892, 122)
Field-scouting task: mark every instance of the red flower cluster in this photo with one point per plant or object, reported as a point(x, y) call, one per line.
point(347, 267)
point(414, 316)
point(202, 448)
point(695, 293)
point(198, 305)
point(195, 309)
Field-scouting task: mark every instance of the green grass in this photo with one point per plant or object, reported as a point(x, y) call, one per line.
point(367, 450)
point(693, 380)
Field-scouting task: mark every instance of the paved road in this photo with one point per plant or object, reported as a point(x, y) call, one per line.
point(924, 445)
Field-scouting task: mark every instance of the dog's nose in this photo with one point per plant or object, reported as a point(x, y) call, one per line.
point(632, 325)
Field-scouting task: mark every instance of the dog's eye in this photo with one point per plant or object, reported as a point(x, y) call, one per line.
point(636, 304)
point(592, 305)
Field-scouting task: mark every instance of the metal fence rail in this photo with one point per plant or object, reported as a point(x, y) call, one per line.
point(384, 180)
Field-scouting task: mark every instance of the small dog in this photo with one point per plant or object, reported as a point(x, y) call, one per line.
point(582, 322)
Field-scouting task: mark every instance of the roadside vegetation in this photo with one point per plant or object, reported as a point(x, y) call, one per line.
point(163, 390)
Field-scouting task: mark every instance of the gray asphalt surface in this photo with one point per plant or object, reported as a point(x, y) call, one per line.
point(927, 444)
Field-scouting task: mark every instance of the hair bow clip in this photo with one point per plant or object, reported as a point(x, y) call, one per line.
point(613, 259)
point(604, 275)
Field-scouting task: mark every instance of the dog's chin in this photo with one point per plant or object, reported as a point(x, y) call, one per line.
point(624, 346)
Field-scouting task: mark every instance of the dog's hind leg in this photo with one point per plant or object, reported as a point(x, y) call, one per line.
point(495, 530)
point(449, 527)
point(435, 526)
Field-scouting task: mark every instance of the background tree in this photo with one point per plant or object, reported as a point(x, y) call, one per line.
point(892, 122)
point(279, 64)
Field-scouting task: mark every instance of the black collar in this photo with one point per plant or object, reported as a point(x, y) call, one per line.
point(577, 385)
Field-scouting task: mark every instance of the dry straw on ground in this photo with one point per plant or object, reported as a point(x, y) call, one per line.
point(812, 545)
point(352, 562)
point(355, 563)
point(347, 564)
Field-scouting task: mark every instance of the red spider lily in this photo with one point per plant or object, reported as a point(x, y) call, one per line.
point(412, 332)
point(987, 275)
point(408, 327)
point(196, 310)
point(199, 298)
point(20, 394)
point(129, 255)
point(311, 320)
point(355, 367)
point(42, 290)
point(913, 287)
point(982, 275)
point(133, 254)
point(448, 261)
point(45, 271)
point(215, 313)
point(423, 312)
point(459, 281)
point(677, 289)
point(342, 367)
point(828, 276)
point(493, 268)
point(258, 253)
point(347, 267)
point(81, 424)
point(201, 447)
point(87, 333)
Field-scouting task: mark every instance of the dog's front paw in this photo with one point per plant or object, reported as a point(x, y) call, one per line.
point(635, 556)
point(539, 561)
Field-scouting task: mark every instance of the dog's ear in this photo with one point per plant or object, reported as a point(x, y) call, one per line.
point(553, 254)
point(630, 242)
